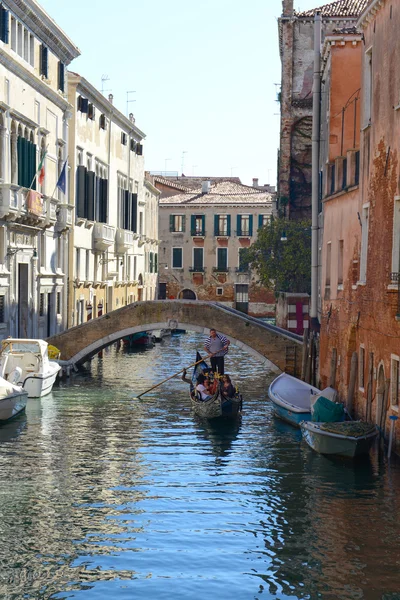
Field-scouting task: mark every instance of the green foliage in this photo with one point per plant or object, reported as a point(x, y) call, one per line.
point(283, 266)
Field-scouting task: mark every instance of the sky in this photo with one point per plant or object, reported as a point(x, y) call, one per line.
point(202, 77)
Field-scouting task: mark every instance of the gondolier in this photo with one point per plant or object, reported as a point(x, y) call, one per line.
point(218, 345)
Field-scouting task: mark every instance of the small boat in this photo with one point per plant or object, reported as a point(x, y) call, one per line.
point(12, 400)
point(29, 359)
point(178, 331)
point(142, 338)
point(291, 399)
point(217, 405)
point(346, 438)
point(160, 334)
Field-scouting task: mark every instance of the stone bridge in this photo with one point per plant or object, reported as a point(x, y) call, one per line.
point(268, 343)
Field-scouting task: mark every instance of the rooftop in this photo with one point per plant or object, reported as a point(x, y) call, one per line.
point(225, 191)
point(340, 8)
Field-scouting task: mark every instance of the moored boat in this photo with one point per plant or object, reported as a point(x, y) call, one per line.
point(160, 334)
point(346, 438)
point(216, 406)
point(142, 338)
point(291, 399)
point(12, 400)
point(28, 357)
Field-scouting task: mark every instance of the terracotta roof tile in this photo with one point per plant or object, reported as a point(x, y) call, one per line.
point(223, 192)
point(340, 8)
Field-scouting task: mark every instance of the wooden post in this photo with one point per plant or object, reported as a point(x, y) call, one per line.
point(309, 358)
point(352, 383)
point(304, 355)
point(368, 409)
point(332, 377)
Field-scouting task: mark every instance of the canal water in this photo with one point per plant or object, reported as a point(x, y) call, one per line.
point(105, 496)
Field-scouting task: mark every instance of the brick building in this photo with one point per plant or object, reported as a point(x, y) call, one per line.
point(361, 215)
point(203, 231)
point(296, 44)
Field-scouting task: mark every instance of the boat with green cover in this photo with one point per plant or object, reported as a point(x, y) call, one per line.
point(346, 438)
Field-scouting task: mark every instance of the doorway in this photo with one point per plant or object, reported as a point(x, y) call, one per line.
point(242, 297)
point(187, 295)
point(23, 301)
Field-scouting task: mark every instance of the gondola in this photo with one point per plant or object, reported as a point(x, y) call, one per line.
point(217, 406)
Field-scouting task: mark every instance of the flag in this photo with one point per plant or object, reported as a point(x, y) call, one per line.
point(41, 171)
point(61, 183)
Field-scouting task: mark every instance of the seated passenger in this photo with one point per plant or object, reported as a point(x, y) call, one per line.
point(202, 388)
point(227, 387)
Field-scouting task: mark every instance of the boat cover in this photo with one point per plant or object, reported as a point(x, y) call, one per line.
point(326, 411)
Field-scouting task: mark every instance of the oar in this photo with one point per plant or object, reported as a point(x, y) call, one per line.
point(174, 375)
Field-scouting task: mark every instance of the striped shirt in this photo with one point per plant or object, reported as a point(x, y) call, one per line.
point(215, 344)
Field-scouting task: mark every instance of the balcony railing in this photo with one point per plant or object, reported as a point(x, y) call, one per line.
point(221, 269)
point(395, 277)
point(197, 232)
point(245, 270)
point(124, 240)
point(64, 217)
point(103, 236)
point(197, 269)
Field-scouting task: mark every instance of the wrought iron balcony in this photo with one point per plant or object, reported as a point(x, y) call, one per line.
point(221, 269)
point(198, 233)
point(197, 269)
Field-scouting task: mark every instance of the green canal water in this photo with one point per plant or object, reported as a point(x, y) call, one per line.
point(102, 496)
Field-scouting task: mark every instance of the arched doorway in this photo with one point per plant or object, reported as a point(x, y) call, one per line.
point(187, 295)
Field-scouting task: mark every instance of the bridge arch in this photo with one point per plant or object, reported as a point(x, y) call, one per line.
point(266, 342)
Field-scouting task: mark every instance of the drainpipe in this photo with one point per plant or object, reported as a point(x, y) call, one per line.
point(315, 325)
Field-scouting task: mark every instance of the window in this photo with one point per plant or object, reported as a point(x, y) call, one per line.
point(340, 263)
point(132, 145)
point(61, 76)
point(367, 84)
point(123, 138)
point(151, 262)
point(395, 380)
point(177, 223)
point(220, 291)
point(41, 305)
point(91, 112)
point(32, 50)
point(344, 174)
point(244, 225)
point(58, 303)
point(243, 263)
point(78, 263)
point(396, 241)
point(2, 309)
point(26, 152)
point(364, 243)
point(13, 34)
point(177, 258)
point(263, 220)
point(198, 254)
point(332, 179)
point(83, 104)
point(361, 368)
point(44, 61)
point(197, 225)
point(222, 259)
point(222, 225)
point(139, 149)
point(328, 264)
point(357, 168)
point(103, 122)
point(87, 266)
point(4, 24)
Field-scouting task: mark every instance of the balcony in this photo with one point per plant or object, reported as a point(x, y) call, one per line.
point(221, 269)
point(124, 240)
point(103, 236)
point(197, 269)
point(50, 206)
point(24, 206)
point(64, 217)
point(243, 270)
point(198, 233)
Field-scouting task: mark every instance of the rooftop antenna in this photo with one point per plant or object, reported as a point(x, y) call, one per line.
point(232, 169)
point(183, 160)
point(104, 78)
point(128, 101)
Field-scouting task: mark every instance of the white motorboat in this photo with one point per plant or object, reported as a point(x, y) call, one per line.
point(12, 400)
point(160, 334)
point(30, 357)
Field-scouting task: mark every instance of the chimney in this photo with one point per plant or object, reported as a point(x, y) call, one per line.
point(205, 187)
point(110, 98)
point(287, 8)
point(255, 182)
point(131, 118)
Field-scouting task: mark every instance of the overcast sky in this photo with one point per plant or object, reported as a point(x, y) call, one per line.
point(203, 73)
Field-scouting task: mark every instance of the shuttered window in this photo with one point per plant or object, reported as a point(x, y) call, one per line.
point(177, 223)
point(2, 309)
point(4, 24)
point(222, 225)
point(197, 225)
point(61, 76)
point(26, 152)
point(222, 259)
point(244, 225)
point(44, 61)
point(177, 258)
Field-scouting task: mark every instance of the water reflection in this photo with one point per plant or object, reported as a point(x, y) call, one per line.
point(104, 496)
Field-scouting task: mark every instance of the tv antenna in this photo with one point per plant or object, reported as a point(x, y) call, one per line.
point(183, 160)
point(232, 168)
point(104, 78)
point(128, 101)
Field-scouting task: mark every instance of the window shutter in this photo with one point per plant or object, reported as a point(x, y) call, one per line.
point(103, 200)
point(228, 224)
point(139, 149)
point(260, 221)
point(126, 219)
point(25, 173)
point(4, 25)
point(103, 122)
point(134, 213)
point(90, 195)
point(177, 258)
point(155, 262)
point(19, 155)
point(203, 224)
point(33, 166)
point(61, 76)
point(216, 224)
point(239, 224)
point(80, 191)
point(184, 223)
point(84, 105)
point(171, 223)
point(192, 224)
point(250, 224)
point(44, 61)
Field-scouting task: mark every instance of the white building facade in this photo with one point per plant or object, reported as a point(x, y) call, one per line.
point(113, 249)
point(34, 217)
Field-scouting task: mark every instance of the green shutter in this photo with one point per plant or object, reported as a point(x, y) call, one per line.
point(239, 224)
point(177, 258)
point(260, 221)
point(151, 262)
point(250, 224)
point(184, 223)
point(155, 262)
point(203, 224)
point(171, 222)
point(193, 225)
point(228, 224)
point(216, 225)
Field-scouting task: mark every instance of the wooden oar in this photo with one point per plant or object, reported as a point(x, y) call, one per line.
point(175, 374)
